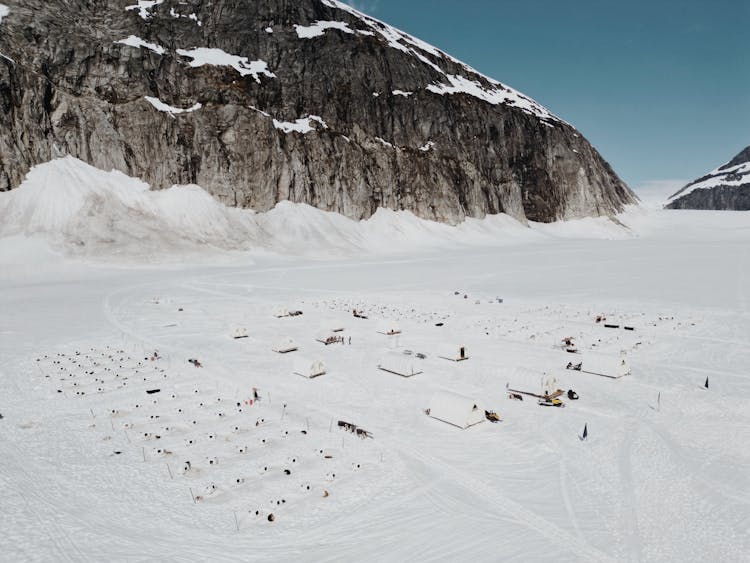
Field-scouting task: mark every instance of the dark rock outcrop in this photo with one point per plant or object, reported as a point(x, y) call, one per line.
point(725, 188)
point(306, 100)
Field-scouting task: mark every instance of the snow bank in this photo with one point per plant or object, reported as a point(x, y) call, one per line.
point(137, 42)
point(216, 57)
point(82, 211)
point(4, 11)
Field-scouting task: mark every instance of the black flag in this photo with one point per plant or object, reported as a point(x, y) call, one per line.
point(585, 433)
point(706, 384)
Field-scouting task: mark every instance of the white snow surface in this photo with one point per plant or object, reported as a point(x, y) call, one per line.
point(319, 28)
point(216, 57)
point(4, 11)
point(137, 42)
point(303, 125)
point(161, 106)
point(662, 476)
point(144, 7)
point(402, 93)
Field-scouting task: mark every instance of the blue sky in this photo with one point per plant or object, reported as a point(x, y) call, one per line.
point(660, 87)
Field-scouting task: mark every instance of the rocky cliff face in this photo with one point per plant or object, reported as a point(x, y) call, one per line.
point(305, 100)
point(726, 187)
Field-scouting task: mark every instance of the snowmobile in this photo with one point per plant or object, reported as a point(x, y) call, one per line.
point(550, 403)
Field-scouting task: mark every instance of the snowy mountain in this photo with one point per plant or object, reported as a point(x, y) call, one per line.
point(726, 187)
point(308, 100)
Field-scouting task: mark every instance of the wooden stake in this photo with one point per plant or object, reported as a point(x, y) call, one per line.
point(192, 495)
point(170, 471)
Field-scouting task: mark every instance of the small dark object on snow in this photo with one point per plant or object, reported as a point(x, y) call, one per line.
point(271, 517)
point(491, 416)
point(439, 324)
point(152, 391)
point(706, 384)
point(1, 416)
point(287, 472)
point(117, 452)
point(362, 433)
point(515, 396)
point(585, 433)
point(572, 395)
point(611, 326)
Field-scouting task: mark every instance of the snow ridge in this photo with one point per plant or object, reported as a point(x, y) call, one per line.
point(500, 94)
point(144, 7)
point(319, 28)
point(303, 125)
point(731, 176)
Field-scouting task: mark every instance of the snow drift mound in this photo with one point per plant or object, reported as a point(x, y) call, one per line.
point(82, 211)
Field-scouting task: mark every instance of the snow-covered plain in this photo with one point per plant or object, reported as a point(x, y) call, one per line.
point(662, 476)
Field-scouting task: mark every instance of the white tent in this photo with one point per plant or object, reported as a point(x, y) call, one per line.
point(309, 368)
point(405, 367)
point(388, 327)
point(285, 345)
point(239, 333)
point(456, 356)
point(613, 367)
point(455, 409)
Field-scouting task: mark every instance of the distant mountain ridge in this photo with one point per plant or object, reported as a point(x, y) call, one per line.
point(726, 187)
point(309, 101)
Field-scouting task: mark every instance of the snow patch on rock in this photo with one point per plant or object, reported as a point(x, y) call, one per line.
point(402, 93)
point(303, 125)
point(171, 110)
point(4, 11)
point(137, 42)
point(319, 28)
point(732, 176)
point(144, 7)
point(216, 57)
